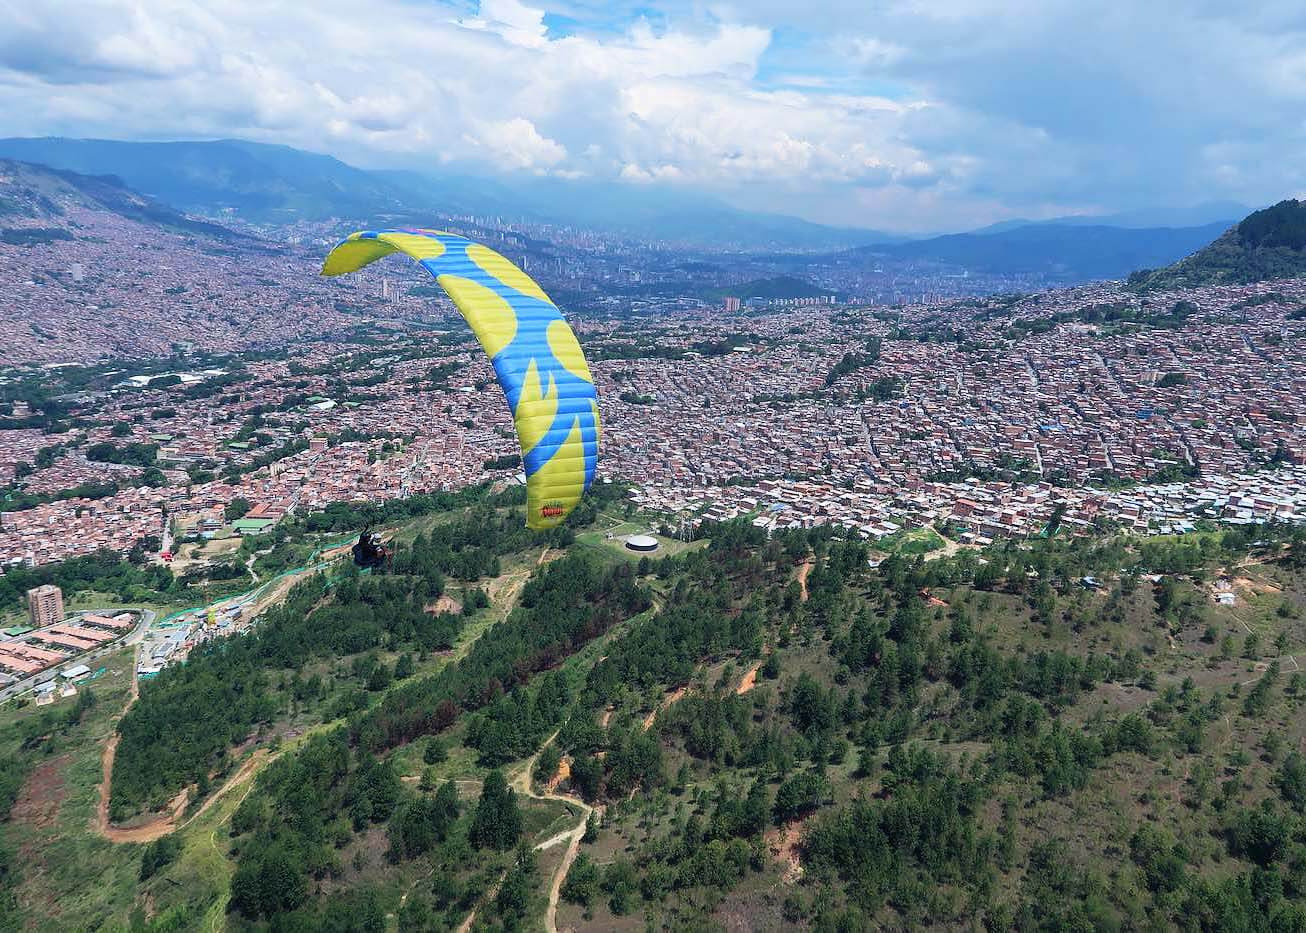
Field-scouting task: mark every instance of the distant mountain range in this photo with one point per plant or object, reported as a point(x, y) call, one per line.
point(37, 192)
point(277, 184)
point(257, 182)
point(1267, 244)
point(1226, 212)
point(1056, 253)
point(269, 184)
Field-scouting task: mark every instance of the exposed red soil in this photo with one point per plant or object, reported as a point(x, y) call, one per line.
point(42, 794)
point(750, 679)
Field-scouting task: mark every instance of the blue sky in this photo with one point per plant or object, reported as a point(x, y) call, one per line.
point(895, 114)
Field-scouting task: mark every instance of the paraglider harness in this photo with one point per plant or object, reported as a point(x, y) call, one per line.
point(369, 552)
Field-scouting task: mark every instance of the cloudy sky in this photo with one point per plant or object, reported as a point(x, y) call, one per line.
point(896, 114)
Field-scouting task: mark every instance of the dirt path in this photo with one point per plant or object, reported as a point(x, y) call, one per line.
point(159, 825)
point(803, 570)
point(673, 697)
point(106, 760)
point(521, 782)
point(949, 548)
point(750, 679)
point(466, 925)
point(171, 820)
point(246, 771)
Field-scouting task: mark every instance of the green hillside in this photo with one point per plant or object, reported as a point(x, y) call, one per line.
point(37, 192)
point(1268, 244)
point(781, 286)
point(509, 731)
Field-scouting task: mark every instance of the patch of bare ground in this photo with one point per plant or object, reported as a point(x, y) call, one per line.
point(1256, 586)
point(564, 772)
point(749, 680)
point(42, 794)
point(785, 845)
point(445, 603)
point(804, 569)
point(673, 696)
point(930, 599)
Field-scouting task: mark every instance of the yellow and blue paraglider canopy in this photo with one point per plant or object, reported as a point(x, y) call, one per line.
point(536, 356)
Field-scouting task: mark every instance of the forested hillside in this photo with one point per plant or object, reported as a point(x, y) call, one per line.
point(1268, 244)
point(508, 732)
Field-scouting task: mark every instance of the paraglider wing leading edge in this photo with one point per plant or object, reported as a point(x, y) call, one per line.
point(536, 357)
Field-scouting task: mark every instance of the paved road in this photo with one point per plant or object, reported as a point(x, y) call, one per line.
point(131, 638)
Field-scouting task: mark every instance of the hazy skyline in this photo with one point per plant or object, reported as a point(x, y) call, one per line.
point(896, 115)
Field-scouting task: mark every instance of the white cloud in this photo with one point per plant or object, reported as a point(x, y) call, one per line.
point(517, 144)
point(632, 172)
point(512, 20)
point(958, 105)
point(491, 89)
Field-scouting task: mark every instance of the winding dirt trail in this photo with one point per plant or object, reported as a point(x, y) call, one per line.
point(521, 782)
point(466, 925)
point(803, 570)
point(102, 824)
point(673, 696)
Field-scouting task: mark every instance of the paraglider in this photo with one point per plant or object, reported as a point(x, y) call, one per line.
point(536, 357)
point(369, 552)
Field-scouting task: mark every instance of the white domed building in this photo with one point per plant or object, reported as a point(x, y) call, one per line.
point(643, 544)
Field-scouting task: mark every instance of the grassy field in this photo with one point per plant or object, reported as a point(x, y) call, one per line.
point(610, 533)
point(68, 874)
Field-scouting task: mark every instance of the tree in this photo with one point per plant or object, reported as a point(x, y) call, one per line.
point(582, 884)
point(1291, 780)
point(272, 883)
point(236, 508)
point(587, 776)
point(435, 752)
point(404, 666)
point(546, 765)
point(159, 854)
point(799, 795)
point(514, 894)
point(379, 679)
point(867, 759)
point(497, 823)
point(423, 823)
point(416, 916)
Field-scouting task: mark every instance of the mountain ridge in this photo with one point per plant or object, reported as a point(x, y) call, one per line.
point(31, 190)
point(1197, 215)
point(1265, 245)
point(1065, 253)
point(264, 183)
